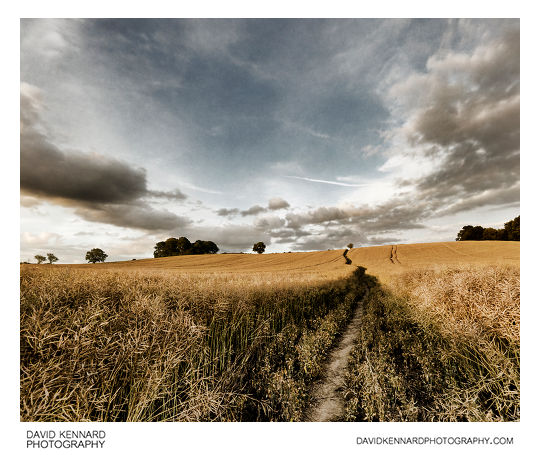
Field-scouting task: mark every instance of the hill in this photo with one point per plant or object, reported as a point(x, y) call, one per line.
point(244, 337)
point(379, 260)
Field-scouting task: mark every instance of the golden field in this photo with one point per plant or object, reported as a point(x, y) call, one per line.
point(441, 339)
point(242, 336)
point(381, 261)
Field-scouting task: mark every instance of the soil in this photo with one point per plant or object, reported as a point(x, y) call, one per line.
point(326, 400)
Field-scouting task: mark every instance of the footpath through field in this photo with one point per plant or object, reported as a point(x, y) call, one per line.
point(326, 401)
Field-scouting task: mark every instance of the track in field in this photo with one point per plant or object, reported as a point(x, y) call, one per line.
point(378, 260)
point(326, 401)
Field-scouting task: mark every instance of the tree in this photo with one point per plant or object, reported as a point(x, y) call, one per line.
point(259, 247)
point(40, 258)
point(160, 250)
point(465, 233)
point(470, 233)
point(96, 255)
point(204, 247)
point(182, 245)
point(52, 258)
point(512, 229)
point(510, 232)
point(210, 247)
point(171, 246)
point(490, 234)
point(167, 248)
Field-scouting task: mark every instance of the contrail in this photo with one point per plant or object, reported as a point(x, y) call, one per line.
point(329, 182)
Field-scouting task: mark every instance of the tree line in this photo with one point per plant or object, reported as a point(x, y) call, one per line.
point(181, 246)
point(169, 247)
point(509, 232)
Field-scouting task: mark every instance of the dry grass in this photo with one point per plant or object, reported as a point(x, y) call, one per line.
point(474, 302)
point(157, 345)
point(439, 344)
point(242, 337)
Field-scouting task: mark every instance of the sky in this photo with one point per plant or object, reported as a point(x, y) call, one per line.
point(306, 134)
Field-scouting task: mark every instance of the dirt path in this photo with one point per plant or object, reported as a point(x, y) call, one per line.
point(327, 402)
point(393, 255)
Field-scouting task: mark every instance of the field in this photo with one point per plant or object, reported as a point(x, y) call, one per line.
point(244, 337)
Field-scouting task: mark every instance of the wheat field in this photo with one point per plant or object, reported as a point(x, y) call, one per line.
point(243, 337)
point(441, 339)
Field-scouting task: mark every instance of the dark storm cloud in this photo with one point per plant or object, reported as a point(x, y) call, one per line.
point(101, 189)
point(47, 171)
point(140, 216)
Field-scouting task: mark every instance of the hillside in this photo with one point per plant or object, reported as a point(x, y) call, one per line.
point(390, 259)
point(246, 337)
point(379, 260)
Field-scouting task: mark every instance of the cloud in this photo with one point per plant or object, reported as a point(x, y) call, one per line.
point(211, 100)
point(48, 172)
point(254, 210)
point(464, 115)
point(227, 212)
point(43, 239)
point(269, 222)
point(392, 215)
point(140, 216)
point(330, 239)
point(503, 196)
point(175, 195)
point(101, 189)
point(277, 203)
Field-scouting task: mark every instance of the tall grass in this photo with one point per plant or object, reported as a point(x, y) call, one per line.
point(163, 346)
point(439, 345)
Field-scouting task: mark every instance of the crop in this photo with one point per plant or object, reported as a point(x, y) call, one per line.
point(159, 345)
point(439, 344)
point(240, 337)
